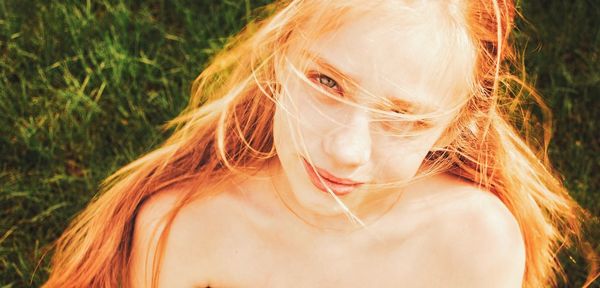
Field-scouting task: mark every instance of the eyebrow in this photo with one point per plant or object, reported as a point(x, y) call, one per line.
point(402, 104)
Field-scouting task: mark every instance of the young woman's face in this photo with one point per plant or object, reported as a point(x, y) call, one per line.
point(341, 111)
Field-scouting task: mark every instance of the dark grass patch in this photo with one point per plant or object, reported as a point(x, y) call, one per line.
point(563, 41)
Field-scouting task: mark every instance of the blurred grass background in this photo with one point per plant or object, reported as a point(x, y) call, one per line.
point(86, 85)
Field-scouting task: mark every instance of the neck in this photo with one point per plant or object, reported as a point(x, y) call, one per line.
point(340, 219)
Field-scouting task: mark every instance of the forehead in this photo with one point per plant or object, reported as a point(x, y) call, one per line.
point(405, 53)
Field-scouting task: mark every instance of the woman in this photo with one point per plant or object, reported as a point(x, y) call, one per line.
point(337, 144)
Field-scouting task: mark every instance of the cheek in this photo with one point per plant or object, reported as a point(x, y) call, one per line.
point(400, 166)
point(401, 159)
point(279, 131)
point(294, 129)
point(302, 115)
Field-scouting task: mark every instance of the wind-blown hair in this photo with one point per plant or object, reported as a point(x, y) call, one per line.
point(227, 129)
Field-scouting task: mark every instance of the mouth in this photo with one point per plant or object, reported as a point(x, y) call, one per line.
point(339, 186)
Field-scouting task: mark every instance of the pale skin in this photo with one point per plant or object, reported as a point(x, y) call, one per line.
point(277, 229)
point(456, 236)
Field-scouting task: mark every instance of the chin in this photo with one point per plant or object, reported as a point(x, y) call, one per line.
point(301, 193)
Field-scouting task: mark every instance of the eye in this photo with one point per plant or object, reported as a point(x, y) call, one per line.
point(418, 124)
point(421, 125)
point(395, 125)
point(327, 82)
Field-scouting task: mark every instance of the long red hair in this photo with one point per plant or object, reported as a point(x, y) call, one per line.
point(227, 127)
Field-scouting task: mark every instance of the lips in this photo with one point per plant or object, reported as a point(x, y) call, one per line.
point(338, 186)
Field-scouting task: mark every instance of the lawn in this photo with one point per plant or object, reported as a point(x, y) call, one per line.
point(85, 87)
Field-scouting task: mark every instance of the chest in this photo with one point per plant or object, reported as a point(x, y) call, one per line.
point(244, 259)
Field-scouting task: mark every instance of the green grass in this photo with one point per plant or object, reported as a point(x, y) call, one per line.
point(562, 57)
point(86, 85)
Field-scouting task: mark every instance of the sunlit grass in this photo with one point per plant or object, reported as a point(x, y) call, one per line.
point(86, 85)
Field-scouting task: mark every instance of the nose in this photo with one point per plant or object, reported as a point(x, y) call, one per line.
point(349, 144)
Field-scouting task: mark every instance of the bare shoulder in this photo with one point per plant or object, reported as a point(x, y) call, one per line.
point(150, 223)
point(478, 238)
point(182, 234)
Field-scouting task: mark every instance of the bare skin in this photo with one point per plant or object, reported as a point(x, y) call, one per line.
point(443, 232)
point(279, 229)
